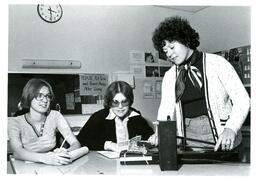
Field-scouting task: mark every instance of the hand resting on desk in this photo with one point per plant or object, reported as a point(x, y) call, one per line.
point(57, 158)
point(60, 150)
point(63, 157)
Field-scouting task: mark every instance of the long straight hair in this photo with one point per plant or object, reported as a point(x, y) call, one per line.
point(31, 90)
point(118, 87)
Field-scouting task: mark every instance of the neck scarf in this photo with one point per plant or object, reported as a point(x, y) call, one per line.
point(193, 73)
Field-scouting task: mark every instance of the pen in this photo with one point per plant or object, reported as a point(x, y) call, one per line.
point(63, 143)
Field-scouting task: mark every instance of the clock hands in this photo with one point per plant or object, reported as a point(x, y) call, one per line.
point(50, 9)
point(50, 12)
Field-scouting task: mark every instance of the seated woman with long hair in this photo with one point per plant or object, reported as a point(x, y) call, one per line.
point(117, 122)
point(32, 135)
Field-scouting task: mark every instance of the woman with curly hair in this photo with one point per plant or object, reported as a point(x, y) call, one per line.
point(201, 91)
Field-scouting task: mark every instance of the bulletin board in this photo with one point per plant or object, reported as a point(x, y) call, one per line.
point(66, 88)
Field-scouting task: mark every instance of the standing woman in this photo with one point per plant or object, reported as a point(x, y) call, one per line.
point(32, 135)
point(201, 91)
point(116, 123)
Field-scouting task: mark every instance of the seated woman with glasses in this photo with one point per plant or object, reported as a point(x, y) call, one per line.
point(32, 135)
point(116, 123)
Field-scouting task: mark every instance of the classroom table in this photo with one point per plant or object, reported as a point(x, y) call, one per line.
point(95, 164)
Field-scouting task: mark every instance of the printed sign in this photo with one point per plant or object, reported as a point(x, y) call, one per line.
point(93, 84)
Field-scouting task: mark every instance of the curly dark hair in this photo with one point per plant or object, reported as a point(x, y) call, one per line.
point(175, 29)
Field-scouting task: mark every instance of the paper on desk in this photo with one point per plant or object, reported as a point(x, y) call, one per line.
point(75, 154)
point(109, 154)
point(29, 161)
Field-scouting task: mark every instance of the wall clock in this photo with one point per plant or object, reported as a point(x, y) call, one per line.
point(50, 13)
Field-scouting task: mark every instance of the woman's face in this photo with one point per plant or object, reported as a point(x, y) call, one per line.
point(120, 105)
point(176, 52)
point(41, 102)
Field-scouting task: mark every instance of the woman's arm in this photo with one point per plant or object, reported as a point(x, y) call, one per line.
point(48, 158)
point(91, 134)
point(66, 132)
point(240, 104)
point(167, 103)
point(237, 93)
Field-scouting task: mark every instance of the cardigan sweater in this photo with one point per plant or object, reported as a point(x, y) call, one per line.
point(98, 130)
point(227, 101)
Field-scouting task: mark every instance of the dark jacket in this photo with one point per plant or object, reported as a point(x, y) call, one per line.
point(98, 129)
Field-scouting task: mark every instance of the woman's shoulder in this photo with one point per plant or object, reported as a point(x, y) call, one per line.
point(54, 113)
point(216, 62)
point(171, 73)
point(135, 110)
point(17, 121)
point(136, 114)
point(214, 58)
point(171, 70)
point(101, 113)
point(55, 116)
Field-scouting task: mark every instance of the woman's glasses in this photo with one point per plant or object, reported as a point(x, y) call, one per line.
point(116, 103)
point(41, 96)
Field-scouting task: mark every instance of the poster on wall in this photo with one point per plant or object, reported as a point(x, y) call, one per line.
point(136, 56)
point(158, 89)
point(93, 84)
point(148, 90)
point(137, 70)
point(70, 101)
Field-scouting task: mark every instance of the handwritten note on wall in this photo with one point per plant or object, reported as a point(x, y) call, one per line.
point(93, 84)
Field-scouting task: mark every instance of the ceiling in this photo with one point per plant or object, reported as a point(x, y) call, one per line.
point(191, 9)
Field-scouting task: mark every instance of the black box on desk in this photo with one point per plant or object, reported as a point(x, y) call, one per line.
point(167, 145)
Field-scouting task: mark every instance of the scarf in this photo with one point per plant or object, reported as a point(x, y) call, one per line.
point(193, 73)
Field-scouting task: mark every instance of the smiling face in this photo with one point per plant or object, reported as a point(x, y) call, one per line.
point(120, 105)
point(41, 103)
point(176, 52)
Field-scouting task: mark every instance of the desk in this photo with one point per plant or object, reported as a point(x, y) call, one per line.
point(95, 164)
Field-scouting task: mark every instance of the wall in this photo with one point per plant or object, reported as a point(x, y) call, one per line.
point(223, 28)
point(95, 35)
point(102, 36)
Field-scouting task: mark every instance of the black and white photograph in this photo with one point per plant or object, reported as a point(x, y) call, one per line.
point(152, 71)
point(127, 90)
point(150, 58)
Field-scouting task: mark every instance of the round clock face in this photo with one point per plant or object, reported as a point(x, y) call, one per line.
point(50, 13)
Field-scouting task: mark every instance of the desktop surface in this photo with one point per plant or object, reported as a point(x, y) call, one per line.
point(95, 164)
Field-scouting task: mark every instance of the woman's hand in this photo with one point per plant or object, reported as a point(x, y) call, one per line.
point(60, 150)
point(153, 139)
point(57, 158)
point(114, 147)
point(226, 140)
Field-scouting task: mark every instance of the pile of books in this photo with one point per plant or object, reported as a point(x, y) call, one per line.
point(138, 158)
